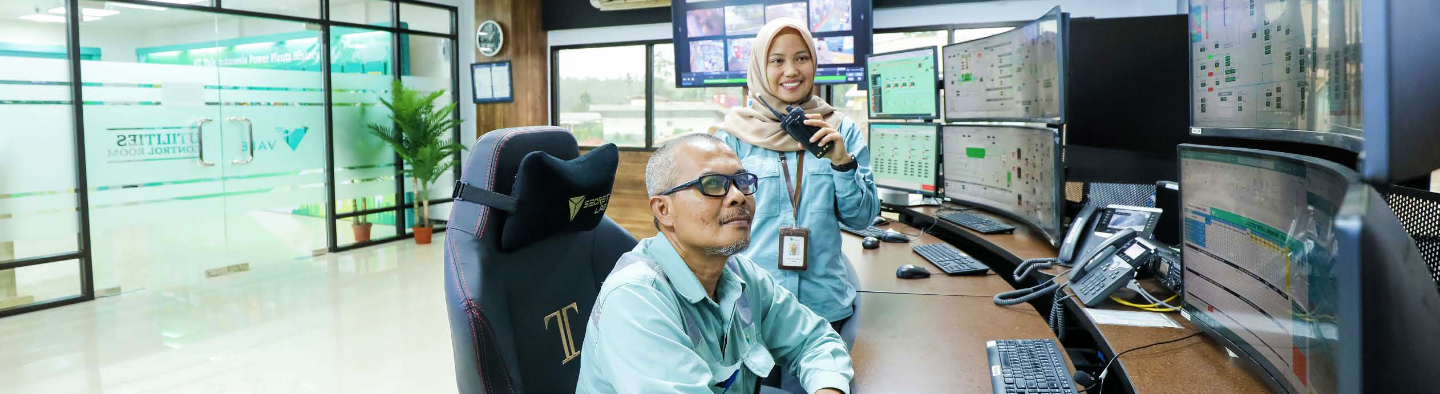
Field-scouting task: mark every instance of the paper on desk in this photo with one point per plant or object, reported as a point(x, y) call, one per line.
point(1131, 318)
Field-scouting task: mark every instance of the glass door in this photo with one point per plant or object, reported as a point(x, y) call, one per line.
point(205, 146)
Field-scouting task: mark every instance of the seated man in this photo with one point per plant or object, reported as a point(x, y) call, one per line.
point(684, 312)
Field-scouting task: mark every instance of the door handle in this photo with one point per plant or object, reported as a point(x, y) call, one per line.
point(250, 131)
point(200, 140)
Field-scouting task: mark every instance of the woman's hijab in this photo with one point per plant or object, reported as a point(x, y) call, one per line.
point(756, 124)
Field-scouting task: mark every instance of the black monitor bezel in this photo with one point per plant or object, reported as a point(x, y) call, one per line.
point(1051, 236)
point(935, 57)
point(1273, 380)
point(1061, 56)
point(939, 158)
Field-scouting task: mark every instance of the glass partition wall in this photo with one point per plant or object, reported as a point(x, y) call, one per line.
point(163, 144)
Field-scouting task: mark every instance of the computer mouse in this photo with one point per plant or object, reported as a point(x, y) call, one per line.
point(871, 243)
point(910, 271)
point(894, 236)
point(879, 221)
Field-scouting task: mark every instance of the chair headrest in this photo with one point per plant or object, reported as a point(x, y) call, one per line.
point(531, 183)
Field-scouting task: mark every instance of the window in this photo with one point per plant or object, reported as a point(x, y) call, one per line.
point(600, 94)
point(689, 110)
point(962, 35)
point(891, 42)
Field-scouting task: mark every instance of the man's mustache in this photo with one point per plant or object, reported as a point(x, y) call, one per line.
point(743, 214)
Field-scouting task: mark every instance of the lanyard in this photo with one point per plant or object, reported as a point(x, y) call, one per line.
point(795, 190)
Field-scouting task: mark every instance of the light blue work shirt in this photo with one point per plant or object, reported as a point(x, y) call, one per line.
point(828, 198)
point(637, 339)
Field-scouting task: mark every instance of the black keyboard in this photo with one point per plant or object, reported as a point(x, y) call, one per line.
point(871, 231)
point(950, 260)
point(977, 223)
point(1027, 366)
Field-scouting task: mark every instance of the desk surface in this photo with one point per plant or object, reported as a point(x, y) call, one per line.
point(910, 343)
point(876, 268)
point(931, 336)
point(1200, 362)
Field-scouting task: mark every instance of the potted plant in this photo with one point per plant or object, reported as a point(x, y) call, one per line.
point(420, 143)
point(360, 227)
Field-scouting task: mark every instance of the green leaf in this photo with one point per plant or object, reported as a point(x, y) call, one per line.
point(418, 135)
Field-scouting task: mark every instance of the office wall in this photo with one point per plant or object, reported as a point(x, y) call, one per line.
point(629, 204)
point(525, 47)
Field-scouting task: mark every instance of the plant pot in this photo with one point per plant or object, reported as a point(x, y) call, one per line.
point(362, 231)
point(422, 235)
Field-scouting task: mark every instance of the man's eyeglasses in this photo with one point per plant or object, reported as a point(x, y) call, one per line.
point(717, 185)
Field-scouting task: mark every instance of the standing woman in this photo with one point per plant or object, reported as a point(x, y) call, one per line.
point(837, 188)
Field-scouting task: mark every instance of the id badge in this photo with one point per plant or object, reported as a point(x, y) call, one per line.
point(793, 241)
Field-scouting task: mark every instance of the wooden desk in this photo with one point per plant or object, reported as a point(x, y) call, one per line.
point(1200, 362)
point(910, 343)
point(876, 268)
point(899, 345)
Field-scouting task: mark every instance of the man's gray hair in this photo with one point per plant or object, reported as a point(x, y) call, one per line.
point(660, 170)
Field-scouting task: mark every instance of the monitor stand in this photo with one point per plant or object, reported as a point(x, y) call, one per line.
point(905, 199)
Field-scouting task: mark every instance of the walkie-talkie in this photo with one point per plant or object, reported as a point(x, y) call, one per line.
point(794, 125)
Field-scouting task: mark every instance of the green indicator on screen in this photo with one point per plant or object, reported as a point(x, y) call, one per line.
point(1009, 177)
point(730, 80)
point(975, 153)
point(827, 78)
point(1212, 56)
point(965, 77)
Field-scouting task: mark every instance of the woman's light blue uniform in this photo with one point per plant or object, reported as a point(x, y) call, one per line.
point(828, 198)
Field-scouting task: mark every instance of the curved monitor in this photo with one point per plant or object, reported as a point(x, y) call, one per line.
point(902, 84)
point(713, 38)
point(1259, 252)
point(1018, 75)
point(1284, 70)
point(1011, 170)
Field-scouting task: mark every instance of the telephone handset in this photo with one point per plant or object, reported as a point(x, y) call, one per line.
point(1110, 269)
point(1112, 219)
point(1101, 251)
point(1078, 227)
point(794, 124)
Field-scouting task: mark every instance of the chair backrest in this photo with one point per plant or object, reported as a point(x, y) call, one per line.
point(518, 317)
point(1419, 212)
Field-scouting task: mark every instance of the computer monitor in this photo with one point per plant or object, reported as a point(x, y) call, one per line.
point(1260, 254)
point(905, 157)
point(1010, 170)
point(1277, 70)
point(1389, 308)
point(1016, 75)
point(1400, 119)
point(902, 84)
point(713, 39)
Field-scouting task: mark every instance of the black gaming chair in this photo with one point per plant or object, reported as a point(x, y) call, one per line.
point(518, 314)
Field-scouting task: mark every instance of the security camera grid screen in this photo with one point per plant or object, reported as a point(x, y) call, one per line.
point(714, 38)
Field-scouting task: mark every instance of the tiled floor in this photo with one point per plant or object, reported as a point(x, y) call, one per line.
point(364, 321)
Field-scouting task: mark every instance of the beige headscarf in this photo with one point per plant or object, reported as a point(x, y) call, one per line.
point(755, 124)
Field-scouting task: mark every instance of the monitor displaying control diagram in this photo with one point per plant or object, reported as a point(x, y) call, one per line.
point(1272, 67)
point(1008, 169)
point(902, 84)
point(713, 38)
point(905, 156)
point(1015, 75)
point(1259, 252)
